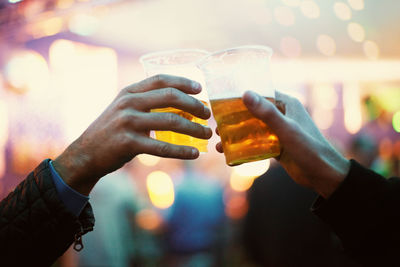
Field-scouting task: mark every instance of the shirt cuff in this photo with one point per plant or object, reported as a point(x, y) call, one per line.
point(73, 200)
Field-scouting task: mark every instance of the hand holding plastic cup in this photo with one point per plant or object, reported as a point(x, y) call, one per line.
point(228, 74)
point(181, 62)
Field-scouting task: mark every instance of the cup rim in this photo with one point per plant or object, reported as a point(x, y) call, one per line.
point(143, 59)
point(202, 61)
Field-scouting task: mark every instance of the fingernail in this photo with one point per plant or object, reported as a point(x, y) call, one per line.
point(252, 99)
point(196, 86)
point(207, 129)
point(194, 152)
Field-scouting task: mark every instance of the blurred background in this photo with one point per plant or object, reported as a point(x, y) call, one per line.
point(63, 61)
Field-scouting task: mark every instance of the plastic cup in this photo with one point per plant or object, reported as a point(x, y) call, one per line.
point(181, 62)
point(228, 74)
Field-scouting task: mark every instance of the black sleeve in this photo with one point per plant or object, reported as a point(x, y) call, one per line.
point(365, 213)
point(35, 226)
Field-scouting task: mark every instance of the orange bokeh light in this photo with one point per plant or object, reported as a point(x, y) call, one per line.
point(236, 207)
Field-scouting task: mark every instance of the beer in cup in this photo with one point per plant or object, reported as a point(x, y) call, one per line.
point(228, 74)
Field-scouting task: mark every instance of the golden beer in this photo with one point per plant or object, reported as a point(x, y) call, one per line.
point(182, 139)
point(244, 138)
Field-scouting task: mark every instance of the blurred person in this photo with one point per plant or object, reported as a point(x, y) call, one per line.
point(117, 241)
point(363, 148)
point(112, 242)
point(359, 205)
point(379, 126)
point(194, 232)
point(279, 230)
point(49, 210)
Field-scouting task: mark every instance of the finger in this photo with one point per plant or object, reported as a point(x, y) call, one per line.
point(163, 81)
point(167, 150)
point(219, 148)
point(216, 131)
point(170, 97)
point(166, 121)
point(266, 111)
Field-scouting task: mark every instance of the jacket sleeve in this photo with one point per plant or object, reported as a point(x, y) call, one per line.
point(35, 226)
point(365, 213)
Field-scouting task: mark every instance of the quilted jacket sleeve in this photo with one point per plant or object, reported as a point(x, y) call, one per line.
point(364, 212)
point(35, 226)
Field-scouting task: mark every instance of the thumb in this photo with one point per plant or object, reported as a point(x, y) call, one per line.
point(265, 111)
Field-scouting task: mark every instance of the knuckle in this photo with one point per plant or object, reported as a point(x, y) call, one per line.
point(173, 120)
point(126, 90)
point(127, 120)
point(123, 102)
point(267, 111)
point(125, 140)
point(170, 94)
point(123, 121)
point(164, 149)
point(159, 79)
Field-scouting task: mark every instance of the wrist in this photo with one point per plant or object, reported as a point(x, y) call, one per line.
point(74, 169)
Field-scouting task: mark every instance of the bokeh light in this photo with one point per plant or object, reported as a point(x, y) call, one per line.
point(160, 189)
point(342, 11)
point(326, 45)
point(148, 160)
point(325, 95)
point(83, 24)
point(61, 52)
point(240, 183)
point(385, 148)
point(352, 108)
point(52, 26)
point(27, 70)
point(356, 4)
point(290, 47)
point(324, 100)
point(371, 49)
point(236, 207)
point(310, 9)
point(46, 27)
point(284, 16)
point(79, 73)
point(356, 32)
point(396, 121)
point(323, 117)
point(253, 169)
point(148, 219)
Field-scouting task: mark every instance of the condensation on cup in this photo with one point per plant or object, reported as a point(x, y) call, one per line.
point(180, 62)
point(228, 74)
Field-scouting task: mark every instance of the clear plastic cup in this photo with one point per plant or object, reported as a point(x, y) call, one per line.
point(228, 74)
point(180, 62)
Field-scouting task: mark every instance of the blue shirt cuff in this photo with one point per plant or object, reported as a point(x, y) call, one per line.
point(73, 200)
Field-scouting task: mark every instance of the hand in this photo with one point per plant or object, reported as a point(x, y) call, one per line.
point(122, 130)
point(306, 155)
